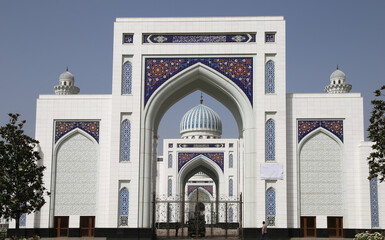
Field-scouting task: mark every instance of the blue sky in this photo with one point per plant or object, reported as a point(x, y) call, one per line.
point(38, 39)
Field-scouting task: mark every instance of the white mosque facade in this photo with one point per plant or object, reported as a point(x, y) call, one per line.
point(299, 161)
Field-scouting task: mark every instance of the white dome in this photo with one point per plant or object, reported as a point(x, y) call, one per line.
point(66, 76)
point(201, 122)
point(338, 74)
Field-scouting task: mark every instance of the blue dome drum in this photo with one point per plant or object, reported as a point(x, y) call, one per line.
point(201, 122)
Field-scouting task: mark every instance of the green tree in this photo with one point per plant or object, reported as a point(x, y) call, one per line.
point(376, 130)
point(21, 176)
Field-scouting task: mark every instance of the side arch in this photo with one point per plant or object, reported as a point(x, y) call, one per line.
point(91, 184)
point(320, 157)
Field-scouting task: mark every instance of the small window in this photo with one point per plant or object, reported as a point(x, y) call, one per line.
point(170, 145)
point(270, 37)
point(128, 38)
point(231, 145)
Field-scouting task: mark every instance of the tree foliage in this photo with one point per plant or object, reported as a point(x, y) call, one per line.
point(376, 130)
point(21, 176)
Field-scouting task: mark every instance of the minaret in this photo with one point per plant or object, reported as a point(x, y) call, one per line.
point(66, 84)
point(337, 83)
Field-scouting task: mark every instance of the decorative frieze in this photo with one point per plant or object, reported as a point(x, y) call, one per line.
point(199, 38)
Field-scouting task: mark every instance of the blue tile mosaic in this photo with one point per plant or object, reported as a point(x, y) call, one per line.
point(23, 220)
point(270, 77)
point(169, 187)
point(270, 202)
point(270, 140)
point(124, 200)
point(333, 126)
point(184, 157)
point(231, 160)
point(125, 141)
point(170, 161)
point(231, 214)
point(374, 202)
point(231, 187)
point(63, 127)
point(127, 78)
point(208, 188)
point(199, 38)
point(159, 70)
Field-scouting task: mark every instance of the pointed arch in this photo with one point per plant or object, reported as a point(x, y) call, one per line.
point(270, 77)
point(127, 78)
point(196, 77)
point(320, 157)
point(231, 160)
point(170, 160)
point(270, 140)
point(231, 187)
point(67, 165)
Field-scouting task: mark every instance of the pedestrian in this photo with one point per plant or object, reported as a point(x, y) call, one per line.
point(264, 231)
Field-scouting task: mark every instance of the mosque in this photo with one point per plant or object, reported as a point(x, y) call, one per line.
point(299, 162)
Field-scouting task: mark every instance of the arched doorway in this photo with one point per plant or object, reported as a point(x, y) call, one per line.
point(196, 77)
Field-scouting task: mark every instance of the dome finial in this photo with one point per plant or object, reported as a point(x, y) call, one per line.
point(201, 98)
point(337, 66)
point(67, 69)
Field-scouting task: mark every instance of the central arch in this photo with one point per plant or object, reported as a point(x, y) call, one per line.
point(196, 77)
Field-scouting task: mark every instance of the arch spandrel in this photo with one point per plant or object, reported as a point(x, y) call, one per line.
point(203, 78)
point(237, 69)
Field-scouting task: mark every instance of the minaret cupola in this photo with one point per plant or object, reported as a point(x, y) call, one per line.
point(66, 84)
point(337, 83)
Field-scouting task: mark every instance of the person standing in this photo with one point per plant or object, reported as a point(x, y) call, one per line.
point(264, 231)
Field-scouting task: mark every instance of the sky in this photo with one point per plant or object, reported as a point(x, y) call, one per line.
point(38, 39)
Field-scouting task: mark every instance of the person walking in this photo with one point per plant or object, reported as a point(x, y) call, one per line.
point(264, 231)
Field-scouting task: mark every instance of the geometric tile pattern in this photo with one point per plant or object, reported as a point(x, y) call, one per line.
point(124, 199)
point(191, 188)
point(169, 187)
point(23, 220)
point(127, 78)
point(199, 38)
point(270, 140)
point(231, 160)
point(270, 77)
point(333, 126)
point(231, 187)
point(170, 161)
point(320, 177)
point(128, 38)
point(90, 127)
point(76, 177)
point(184, 157)
point(231, 214)
point(374, 202)
point(125, 142)
point(270, 206)
point(159, 70)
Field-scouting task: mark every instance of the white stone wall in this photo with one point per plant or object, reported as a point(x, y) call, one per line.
point(346, 107)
